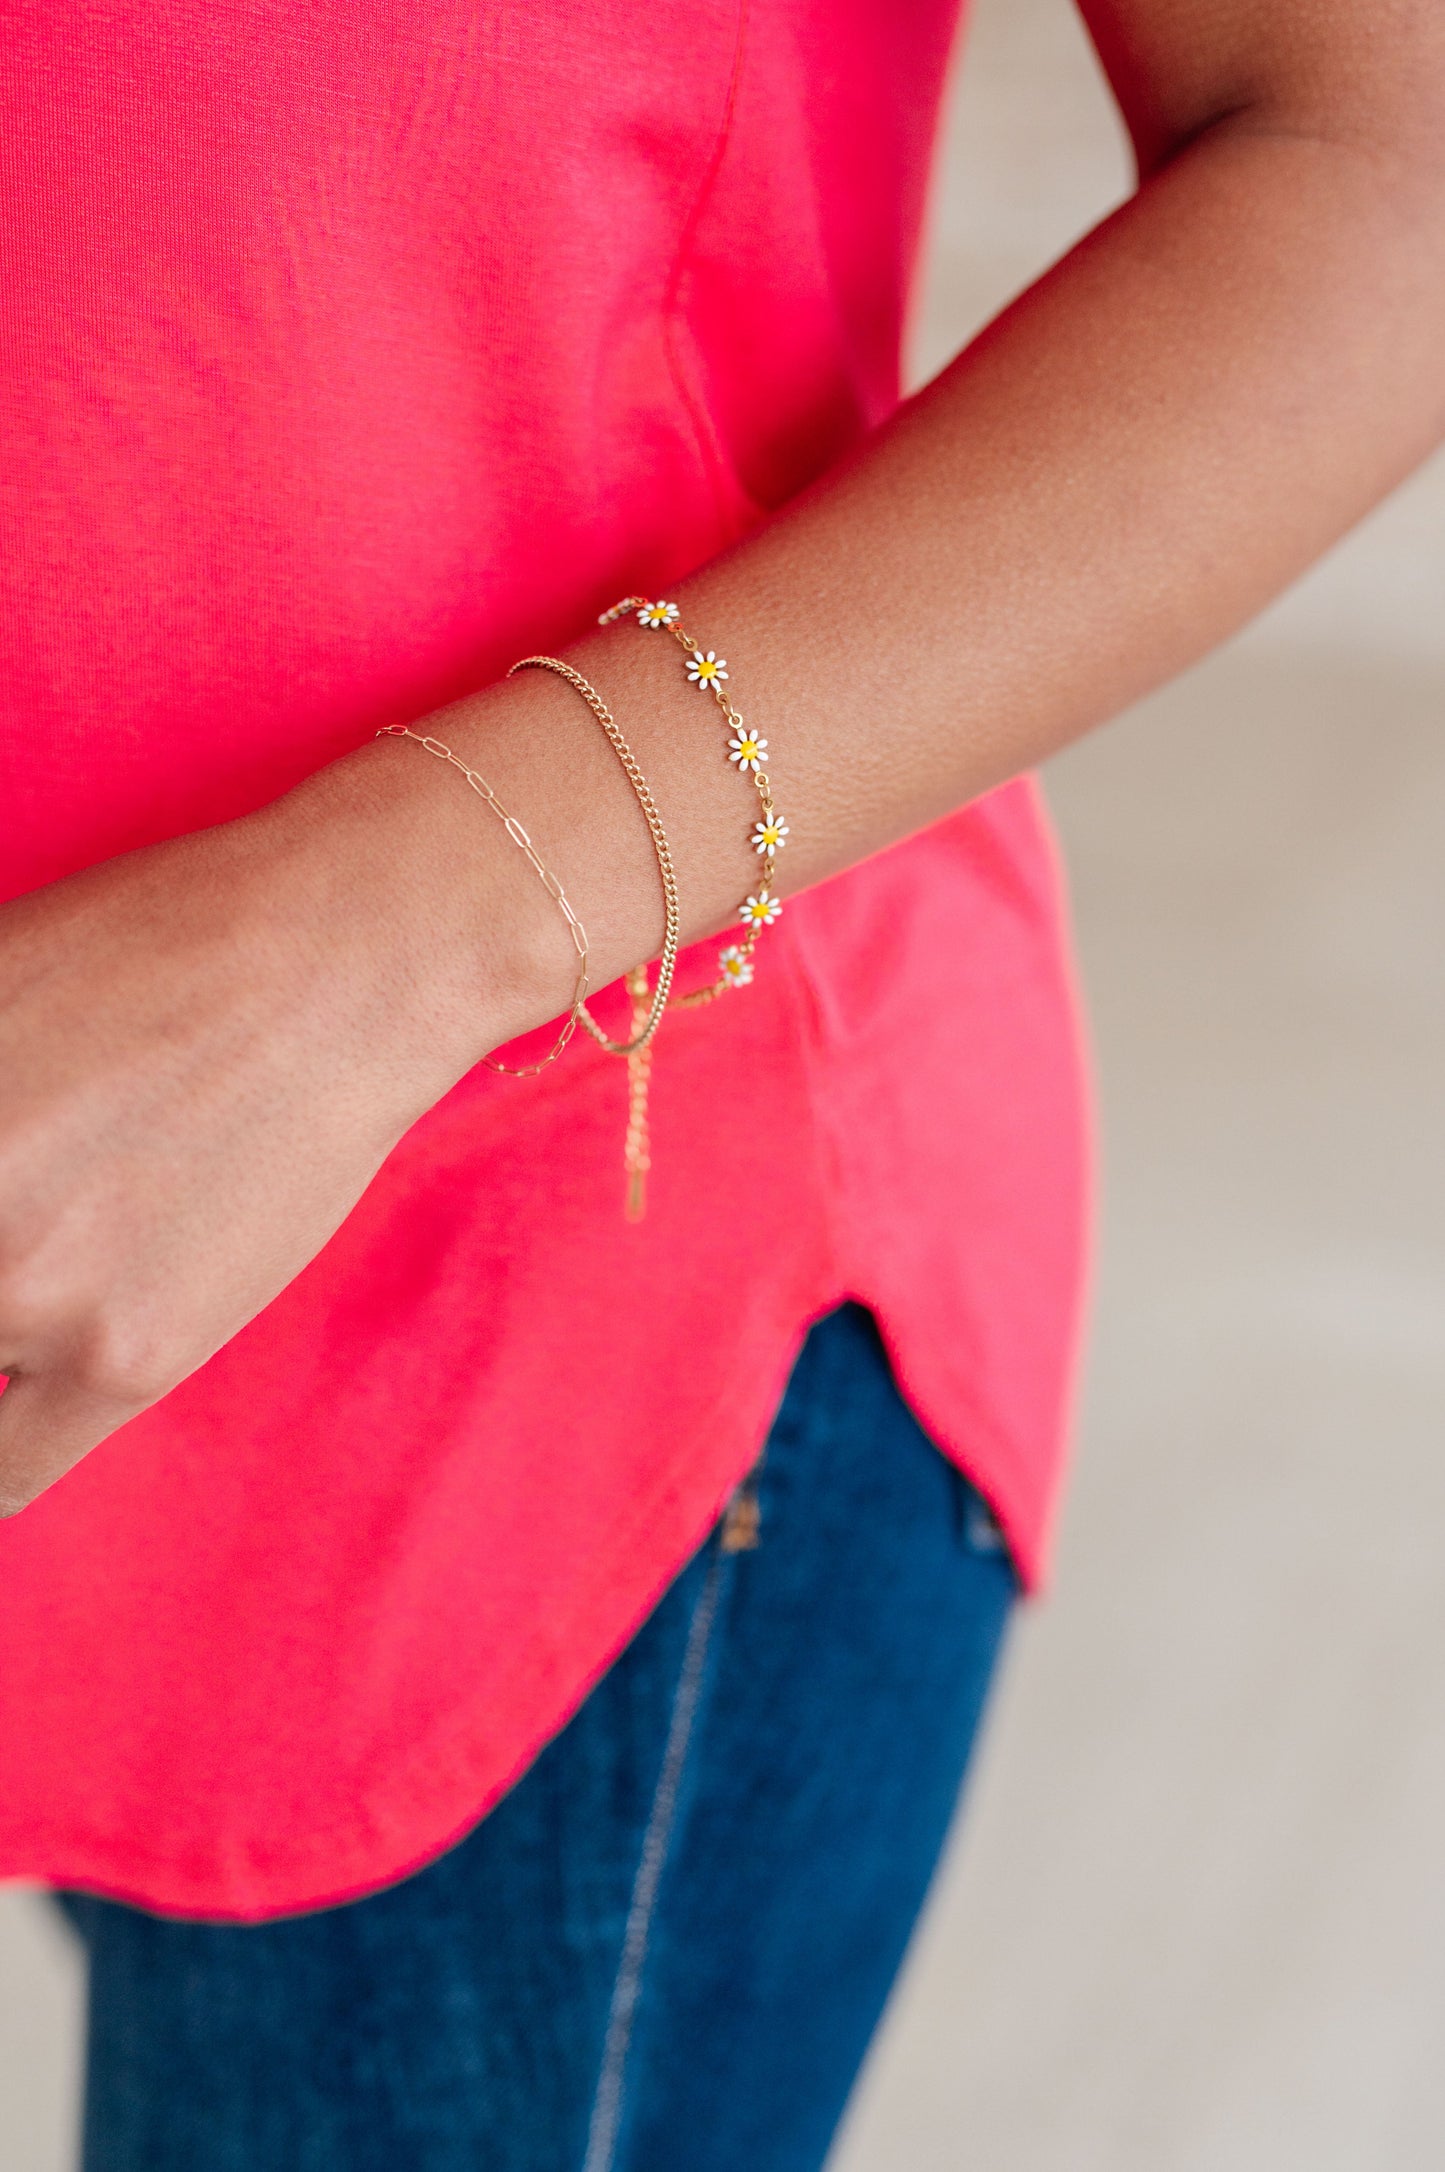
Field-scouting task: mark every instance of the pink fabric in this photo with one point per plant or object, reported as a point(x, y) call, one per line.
point(351, 351)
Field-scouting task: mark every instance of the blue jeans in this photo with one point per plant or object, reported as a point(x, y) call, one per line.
point(666, 1949)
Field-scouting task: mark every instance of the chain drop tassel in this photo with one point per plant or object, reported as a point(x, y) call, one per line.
point(636, 1158)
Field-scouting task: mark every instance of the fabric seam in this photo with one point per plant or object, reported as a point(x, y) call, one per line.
point(694, 407)
point(606, 2119)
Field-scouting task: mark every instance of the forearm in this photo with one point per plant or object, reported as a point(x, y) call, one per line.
point(1143, 450)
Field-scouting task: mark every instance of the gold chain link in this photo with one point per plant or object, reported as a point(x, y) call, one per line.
point(636, 1147)
point(673, 916)
point(548, 880)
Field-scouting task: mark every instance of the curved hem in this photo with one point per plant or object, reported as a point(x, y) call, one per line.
point(301, 1888)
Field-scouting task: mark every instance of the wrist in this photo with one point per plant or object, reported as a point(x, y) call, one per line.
point(401, 887)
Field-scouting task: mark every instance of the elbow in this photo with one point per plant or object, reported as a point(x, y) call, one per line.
point(1372, 98)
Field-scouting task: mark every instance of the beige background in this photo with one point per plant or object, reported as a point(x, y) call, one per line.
point(1196, 1922)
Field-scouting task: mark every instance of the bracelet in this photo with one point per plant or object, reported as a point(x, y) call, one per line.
point(548, 881)
point(735, 964)
point(643, 1033)
point(707, 670)
point(646, 1018)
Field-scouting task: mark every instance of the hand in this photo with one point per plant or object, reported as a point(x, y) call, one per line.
point(208, 1049)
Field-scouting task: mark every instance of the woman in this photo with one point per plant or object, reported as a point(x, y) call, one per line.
point(356, 356)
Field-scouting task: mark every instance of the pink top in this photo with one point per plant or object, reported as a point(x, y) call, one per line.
point(351, 351)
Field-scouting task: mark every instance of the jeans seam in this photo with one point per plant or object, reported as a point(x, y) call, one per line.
point(606, 2118)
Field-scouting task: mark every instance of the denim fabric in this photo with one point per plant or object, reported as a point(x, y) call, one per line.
point(666, 1949)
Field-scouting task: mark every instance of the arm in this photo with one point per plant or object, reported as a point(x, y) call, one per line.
point(212, 1045)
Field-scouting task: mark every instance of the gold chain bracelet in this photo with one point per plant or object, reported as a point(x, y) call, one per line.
point(646, 1016)
point(707, 670)
point(667, 961)
point(544, 875)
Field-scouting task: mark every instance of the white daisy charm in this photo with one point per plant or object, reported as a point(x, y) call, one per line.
point(771, 835)
point(747, 749)
point(706, 670)
point(657, 614)
point(736, 969)
point(760, 912)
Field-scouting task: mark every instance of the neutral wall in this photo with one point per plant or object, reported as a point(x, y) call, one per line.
point(1196, 1920)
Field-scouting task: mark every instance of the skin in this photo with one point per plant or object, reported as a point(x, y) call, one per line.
point(226, 1035)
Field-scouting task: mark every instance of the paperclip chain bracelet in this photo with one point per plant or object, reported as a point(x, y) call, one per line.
point(707, 670)
point(548, 881)
point(672, 927)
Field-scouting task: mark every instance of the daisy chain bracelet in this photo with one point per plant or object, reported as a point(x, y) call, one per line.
point(707, 670)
